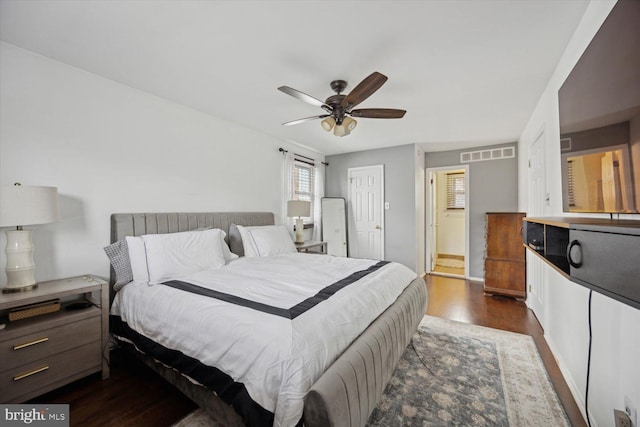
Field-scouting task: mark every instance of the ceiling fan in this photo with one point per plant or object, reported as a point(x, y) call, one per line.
point(339, 107)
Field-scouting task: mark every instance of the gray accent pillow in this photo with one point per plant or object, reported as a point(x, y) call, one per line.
point(235, 240)
point(118, 254)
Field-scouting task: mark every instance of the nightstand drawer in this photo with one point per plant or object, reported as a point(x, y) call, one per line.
point(312, 247)
point(23, 349)
point(39, 374)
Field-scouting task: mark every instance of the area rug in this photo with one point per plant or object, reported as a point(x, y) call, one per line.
point(456, 374)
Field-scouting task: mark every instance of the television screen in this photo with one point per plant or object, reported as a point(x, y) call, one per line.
point(599, 106)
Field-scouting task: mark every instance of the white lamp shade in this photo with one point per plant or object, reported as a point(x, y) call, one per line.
point(298, 208)
point(328, 123)
point(349, 123)
point(340, 130)
point(27, 205)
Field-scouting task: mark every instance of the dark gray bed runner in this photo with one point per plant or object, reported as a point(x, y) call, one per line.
point(288, 313)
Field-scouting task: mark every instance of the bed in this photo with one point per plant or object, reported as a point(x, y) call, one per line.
point(346, 391)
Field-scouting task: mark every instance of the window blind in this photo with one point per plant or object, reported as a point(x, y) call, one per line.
point(455, 191)
point(303, 185)
point(572, 198)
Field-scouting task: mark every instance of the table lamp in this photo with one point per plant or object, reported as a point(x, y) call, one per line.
point(299, 208)
point(24, 205)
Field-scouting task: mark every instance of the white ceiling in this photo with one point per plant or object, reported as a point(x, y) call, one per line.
point(468, 72)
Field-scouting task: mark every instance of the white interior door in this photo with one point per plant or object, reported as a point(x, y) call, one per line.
point(366, 212)
point(537, 206)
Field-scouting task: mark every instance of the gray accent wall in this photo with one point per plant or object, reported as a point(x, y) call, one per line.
point(492, 186)
point(399, 191)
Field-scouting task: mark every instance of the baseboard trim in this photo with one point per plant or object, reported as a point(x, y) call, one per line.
point(451, 256)
point(476, 279)
point(455, 276)
point(566, 374)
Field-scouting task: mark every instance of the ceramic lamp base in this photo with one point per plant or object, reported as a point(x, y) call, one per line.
point(8, 290)
point(20, 266)
point(299, 231)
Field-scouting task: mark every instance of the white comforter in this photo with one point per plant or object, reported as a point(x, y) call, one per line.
point(277, 359)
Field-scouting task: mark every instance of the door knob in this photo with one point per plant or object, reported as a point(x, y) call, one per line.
point(378, 227)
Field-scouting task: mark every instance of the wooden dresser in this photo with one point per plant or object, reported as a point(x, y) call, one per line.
point(504, 262)
point(44, 352)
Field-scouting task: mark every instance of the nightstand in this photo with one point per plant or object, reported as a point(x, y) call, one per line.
point(312, 247)
point(44, 352)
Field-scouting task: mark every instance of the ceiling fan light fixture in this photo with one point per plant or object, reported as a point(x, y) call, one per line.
point(340, 130)
point(349, 123)
point(338, 108)
point(328, 123)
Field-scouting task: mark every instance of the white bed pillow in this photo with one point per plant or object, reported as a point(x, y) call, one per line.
point(138, 259)
point(138, 256)
point(266, 240)
point(228, 255)
point(172, 255)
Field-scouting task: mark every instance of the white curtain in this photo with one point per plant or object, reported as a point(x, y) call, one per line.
point(318, 195)
point(287, 188)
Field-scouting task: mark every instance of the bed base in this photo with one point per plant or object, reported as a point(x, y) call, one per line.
point(348, 391)
point(218, 410)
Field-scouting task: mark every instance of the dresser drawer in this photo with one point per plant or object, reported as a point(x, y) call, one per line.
point(37, 375)
point(505, 277)
point(23, 349)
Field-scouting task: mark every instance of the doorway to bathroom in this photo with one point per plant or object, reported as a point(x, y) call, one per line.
point(448, 198)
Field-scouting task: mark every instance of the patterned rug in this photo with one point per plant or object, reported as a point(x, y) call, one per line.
point(456, 374)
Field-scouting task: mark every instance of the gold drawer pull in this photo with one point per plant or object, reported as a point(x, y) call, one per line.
point(30, 343)
point(28, 374)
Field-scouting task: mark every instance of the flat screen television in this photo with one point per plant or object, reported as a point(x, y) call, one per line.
point(599, 106)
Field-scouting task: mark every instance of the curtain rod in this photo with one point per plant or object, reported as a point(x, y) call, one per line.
point(283, 151)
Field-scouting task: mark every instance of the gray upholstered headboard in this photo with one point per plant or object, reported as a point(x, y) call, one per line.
point(137, 224)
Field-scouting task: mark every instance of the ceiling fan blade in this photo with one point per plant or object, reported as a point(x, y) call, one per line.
point(302, 96)
point(379, 113)
point(364, 90)
point(306, 119)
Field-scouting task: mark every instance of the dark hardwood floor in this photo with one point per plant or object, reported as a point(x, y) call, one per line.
point(135, 396)
point(464, 301)
point(132, 396)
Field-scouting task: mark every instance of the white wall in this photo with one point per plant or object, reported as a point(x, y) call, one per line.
point(402, 219)
point(110, 148)
point(616, 337)
point(483, 179)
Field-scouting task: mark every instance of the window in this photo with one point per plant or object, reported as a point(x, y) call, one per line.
point(303, 185)
point(455, 191)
